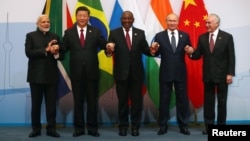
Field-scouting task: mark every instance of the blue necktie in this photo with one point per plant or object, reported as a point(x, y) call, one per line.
point(173, 41)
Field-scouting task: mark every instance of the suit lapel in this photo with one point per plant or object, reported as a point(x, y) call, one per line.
point(88, 35)
point(218, 40)
point(134, 34)
point(123, 38)
point(76, 35)
point(207, 42)
point(180, 41)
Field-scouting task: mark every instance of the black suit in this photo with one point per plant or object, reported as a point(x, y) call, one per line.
point(216, 66)
point(129, 75)
point(42, 76)
point(173, 73)
point(84, 74)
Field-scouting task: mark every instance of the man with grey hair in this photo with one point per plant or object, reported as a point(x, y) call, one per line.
point(217, 49)
point(42, 48)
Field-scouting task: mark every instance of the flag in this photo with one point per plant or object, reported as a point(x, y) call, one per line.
point(54, 10)
point(98, 19)
point(192, 20)
point(116, 14)
point(156, 22)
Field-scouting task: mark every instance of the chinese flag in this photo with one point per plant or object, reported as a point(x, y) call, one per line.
point(192, 20)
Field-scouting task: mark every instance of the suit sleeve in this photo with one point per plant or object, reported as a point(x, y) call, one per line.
point(231, 56)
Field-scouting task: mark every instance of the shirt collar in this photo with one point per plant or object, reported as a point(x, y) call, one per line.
point(215, 32)
point(79, 28)
point(130, 29)
point(170, 31)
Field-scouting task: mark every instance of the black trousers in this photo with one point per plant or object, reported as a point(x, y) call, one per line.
point(130, 102)
point(85, 90)
point(38, 92)
point(213, 91)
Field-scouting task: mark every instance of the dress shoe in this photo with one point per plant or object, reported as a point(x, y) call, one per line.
point(94, 133)
point(185, 131)
point(35, 134)
point(78, 133)
point(123, 132)
point(53, 133)
point(135, 132)
point(163, 130)
point(204, 132)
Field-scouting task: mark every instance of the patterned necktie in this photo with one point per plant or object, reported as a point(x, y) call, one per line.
point(173, 41)
point(128, 40)
point(211, 43)
point(82, 38)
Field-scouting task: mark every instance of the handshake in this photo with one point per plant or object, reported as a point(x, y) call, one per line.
point(110, 48)
point(154, 48)
point(189, 50)
point(52, 47)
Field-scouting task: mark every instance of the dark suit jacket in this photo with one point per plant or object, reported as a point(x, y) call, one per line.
point(221, 62)
point(42, 68)
point(87, 55)
point(172, 64)
point(126, 61)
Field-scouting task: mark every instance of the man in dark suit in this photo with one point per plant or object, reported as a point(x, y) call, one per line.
point(129, 72)
point(218, 68)
point(84, 70)
point(173, 74)
point(42, 48)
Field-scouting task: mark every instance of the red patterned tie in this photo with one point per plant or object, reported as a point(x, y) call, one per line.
point(128, 40)
point(211, 43)
point(82, 38)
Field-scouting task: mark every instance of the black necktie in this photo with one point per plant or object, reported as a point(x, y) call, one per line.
point(82, 38)
point(128, 40)
point(211, 43)
point(173, 41)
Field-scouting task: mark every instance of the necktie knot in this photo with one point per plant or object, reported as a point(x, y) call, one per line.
point(172, 33)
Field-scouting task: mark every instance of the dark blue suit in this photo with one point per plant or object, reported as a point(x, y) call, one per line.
point(173, 73)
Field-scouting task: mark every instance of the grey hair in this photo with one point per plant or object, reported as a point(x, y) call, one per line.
point(41, 16)
point(217, 18)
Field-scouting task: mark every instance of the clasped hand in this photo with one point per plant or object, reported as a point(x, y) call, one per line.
point(154, 48)
point(189, 50)
point(110, 48)
point(52, 47)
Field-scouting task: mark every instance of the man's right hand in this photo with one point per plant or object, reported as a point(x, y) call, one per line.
point(189, 50)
